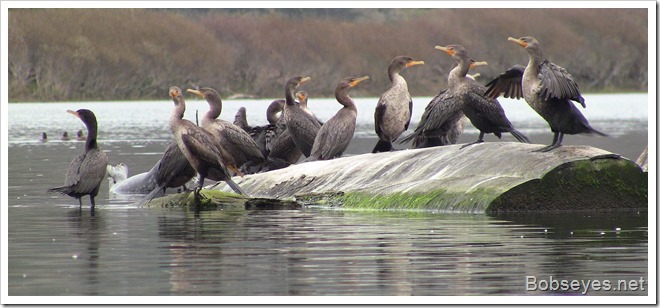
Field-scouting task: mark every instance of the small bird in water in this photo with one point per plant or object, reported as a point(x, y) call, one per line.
point(394, 107)
point(86, 171)
point(65, 137)
point(44, 137)
point(80, 135)
point(548, 88)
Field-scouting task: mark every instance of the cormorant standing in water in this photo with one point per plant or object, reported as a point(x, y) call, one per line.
point(87, 171)
point(486, 114)
point(336, 134)
point(394, 107)
point(548, 88)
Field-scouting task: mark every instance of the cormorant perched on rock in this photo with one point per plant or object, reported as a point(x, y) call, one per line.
point(548, 88)
point(301, 125)
point(199, 147)
point(241, 148)
point(335, 135)
point(486, 114)
point(87, 171)
point(394, 107)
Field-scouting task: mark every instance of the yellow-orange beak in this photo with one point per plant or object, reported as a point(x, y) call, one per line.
point(445, 49)
point(517, 41)
point(480, 63)
point(413, 63)
point(196, 92)
point(305, 79)
point(74, 113)
point(358, 80)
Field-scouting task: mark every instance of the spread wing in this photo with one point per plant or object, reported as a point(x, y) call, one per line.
point(557, 83)
point(509, 83)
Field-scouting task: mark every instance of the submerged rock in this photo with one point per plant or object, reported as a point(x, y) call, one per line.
point(484, 178)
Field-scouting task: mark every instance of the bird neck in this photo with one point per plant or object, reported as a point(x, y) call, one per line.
point(459, 72)
point(535, 60)
point(215, 108)
point(177, 113)
point(290, 97)
point(272, 110)
point(90, 142)
point(343, 98)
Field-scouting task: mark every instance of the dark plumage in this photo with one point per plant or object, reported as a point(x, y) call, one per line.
point(241, 148)
point(199, 147)
point(172, 170)
point(394, 107)
point(485, 114)
point(302, 126)
point(548, 88)
point(442, 122)
point(87, 171)
point(335, 135)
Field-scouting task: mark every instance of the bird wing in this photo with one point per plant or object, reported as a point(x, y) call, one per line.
point(202, 148)
point(242, 141)
point(509, 83)
point(173, 163)
point(73, 175)
point(333, 138)
point(439, 116)
point(378, 117)
point(556, 82)
point(487, 107)
point(92, 170)
point(410, 106)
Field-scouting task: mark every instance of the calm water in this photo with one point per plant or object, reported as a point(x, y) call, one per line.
point(55, 249)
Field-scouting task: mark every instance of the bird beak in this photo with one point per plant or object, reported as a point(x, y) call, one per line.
point(358, 80)
point(196, 92)
point(517, 41)
point(413, 63)
point(300, 96)
point(480, 63)
point(304, 79)
point(445, 49)
point(74, 113)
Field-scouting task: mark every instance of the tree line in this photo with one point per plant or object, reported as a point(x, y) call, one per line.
point(118, 54)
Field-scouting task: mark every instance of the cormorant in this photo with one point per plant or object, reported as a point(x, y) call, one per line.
point(335, 135)
point(442, 121)
point(65, 137)
point(394, 107)
point(302, 126)
point(235, 141)
point(44, 137)
point(240, 120)
point(486, 114)
point(198, 146)
point(548, 88)
point(302, 97)
point(86, 171)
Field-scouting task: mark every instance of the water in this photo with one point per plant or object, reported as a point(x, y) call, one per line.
point(55, 249)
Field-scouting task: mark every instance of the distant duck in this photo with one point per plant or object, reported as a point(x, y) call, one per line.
point(65, 137)
point(81, 136)
point(44, 137)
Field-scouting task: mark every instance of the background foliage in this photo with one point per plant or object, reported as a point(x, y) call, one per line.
point(117, 54)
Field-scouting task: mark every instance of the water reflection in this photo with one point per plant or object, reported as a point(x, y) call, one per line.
point(86, 229)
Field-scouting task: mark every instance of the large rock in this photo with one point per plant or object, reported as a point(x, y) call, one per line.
point(484, 178)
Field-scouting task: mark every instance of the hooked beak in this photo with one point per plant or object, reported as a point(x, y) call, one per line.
point(358, 80)
point(196, 92)
point(517, 41)
point(445, 49)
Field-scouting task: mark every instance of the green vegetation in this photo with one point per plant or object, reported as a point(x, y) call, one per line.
point(118, 54)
